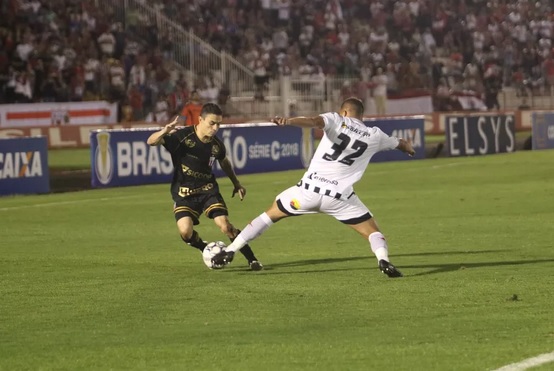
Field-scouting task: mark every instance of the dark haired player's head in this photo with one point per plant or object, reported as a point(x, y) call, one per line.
point(352, 107)
point(210, 108)
point(211, 116)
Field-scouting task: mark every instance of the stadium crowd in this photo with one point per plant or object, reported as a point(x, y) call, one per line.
point(69, 50)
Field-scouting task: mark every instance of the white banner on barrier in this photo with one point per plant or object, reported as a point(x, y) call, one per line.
point(57, 114)
point(407, 106)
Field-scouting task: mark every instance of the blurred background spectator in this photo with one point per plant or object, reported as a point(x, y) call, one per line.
point(69, 50)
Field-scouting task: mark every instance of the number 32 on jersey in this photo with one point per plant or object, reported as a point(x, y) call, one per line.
point(338, 148)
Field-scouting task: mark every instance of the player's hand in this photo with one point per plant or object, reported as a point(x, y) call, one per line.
point(406, 146)
point(281, 121)
point(409, 149)
point(240, 190)
point(171, 127)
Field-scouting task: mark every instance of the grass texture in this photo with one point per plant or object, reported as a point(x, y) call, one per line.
point(100, 280)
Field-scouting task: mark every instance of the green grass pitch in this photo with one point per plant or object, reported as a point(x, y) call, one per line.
point(100, 280)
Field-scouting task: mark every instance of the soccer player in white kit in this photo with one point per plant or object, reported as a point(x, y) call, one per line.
point(327, 186)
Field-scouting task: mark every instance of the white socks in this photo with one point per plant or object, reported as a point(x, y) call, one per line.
point(379, 246)
point(250, 232)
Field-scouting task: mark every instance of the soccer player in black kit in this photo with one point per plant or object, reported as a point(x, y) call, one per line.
point(194, 188)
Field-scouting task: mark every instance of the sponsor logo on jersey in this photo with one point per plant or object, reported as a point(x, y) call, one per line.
point(190, 143)
point(314, 176)
point(295, 204)
point(186, 191)
point(195, 174)
point(355, 130)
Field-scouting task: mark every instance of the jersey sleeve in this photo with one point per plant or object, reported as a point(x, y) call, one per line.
point(386, 142)
point(222, 153)
point(332, 121)
point(171, 142)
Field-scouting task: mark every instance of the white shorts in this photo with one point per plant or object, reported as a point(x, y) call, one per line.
point(299, 201)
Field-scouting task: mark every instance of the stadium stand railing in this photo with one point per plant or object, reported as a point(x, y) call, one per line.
point(197, 57)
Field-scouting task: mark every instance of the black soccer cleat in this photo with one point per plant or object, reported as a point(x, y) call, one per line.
point(223, 258)
point(389, 269)
point(255, 265)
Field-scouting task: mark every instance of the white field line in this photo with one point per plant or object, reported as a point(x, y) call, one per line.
point(58, 203)
point(529, 363)
point(449, 165)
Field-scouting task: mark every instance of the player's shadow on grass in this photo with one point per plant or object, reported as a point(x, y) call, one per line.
point(444, 268)
point(299, 263)
point(435, 268)
point(445, 253)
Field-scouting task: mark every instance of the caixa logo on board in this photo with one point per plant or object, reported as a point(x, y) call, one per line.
point(412, 134)
point(20, 165)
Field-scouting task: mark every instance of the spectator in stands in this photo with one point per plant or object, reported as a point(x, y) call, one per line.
point(107, 41)
point(383, 33)
point(160, 112)
point(493, 85)
point(379, 82)
point(92, 71)
point(177, 98)
point(191, 110)
point(223, 98)
point(117, 80)
point(260, 74)
point(135, 97)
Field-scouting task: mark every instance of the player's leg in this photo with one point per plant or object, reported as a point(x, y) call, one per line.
point(222, 221)
point(253, 230)
point(256, 227)
point(216, 209)
point(290, 202)
point(186, 216)
point(287, 203)
point(353, 213)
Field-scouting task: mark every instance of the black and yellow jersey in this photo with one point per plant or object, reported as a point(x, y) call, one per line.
point(192, 162)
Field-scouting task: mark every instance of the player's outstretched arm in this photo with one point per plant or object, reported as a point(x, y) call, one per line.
point(157, 137)
point(305, 122)
point(406, 146)
point(230, 172)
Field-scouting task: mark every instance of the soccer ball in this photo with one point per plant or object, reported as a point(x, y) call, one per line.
point(209, 252)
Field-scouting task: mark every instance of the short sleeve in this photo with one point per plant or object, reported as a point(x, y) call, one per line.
point(386, 142)
point(332, 121)
point(171, 142)
point(221, 153)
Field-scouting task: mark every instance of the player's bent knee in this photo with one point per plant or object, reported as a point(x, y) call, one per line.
point(186, 236)
point(185, 231)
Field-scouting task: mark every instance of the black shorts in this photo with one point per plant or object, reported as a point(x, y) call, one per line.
point(212, 204)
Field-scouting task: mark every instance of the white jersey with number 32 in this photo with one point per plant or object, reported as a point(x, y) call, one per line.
point(344, 153)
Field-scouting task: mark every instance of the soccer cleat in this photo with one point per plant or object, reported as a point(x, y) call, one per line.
point(389, 269)
point(223, 258)
point(255, 265)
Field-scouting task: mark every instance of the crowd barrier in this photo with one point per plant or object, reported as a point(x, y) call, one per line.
point(480, 134)
point(407, 127)
point(122, 157)
point(57, 114)
point(543, 130)
point(78, 136)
